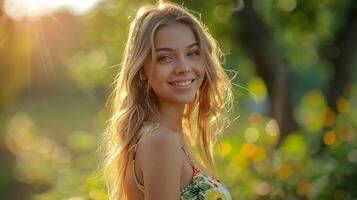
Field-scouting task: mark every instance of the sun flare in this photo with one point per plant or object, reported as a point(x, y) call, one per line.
point(18, 9)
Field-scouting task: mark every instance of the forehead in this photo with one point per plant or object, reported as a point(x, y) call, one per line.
point(174, 36)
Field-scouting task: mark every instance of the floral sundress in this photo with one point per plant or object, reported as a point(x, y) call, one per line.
point(202, 186)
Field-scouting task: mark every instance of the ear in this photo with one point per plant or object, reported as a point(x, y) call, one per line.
point(142, 74)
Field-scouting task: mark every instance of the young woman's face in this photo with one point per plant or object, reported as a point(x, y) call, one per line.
point(177, 69)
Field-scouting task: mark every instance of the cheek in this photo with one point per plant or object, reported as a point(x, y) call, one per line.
point(200, 70)
point(200, 82)
point(159, 79)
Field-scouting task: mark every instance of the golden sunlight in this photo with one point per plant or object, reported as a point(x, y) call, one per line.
point(18, 9)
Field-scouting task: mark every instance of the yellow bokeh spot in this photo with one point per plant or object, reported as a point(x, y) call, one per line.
point(257, 87)
point(303, 187)
point(312, 110)
point(284, 171)
point(330, 116)
point(225, 148)
point(330, 137)
point(315, 98)
point(260, 154)
point(248, 150)
point(21, 133)
point(342, 105)
point(251, 134)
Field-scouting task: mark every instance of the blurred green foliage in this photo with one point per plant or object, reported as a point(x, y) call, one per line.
point(57, 74)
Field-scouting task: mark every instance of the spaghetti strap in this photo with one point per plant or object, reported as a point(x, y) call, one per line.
point(188, 156)
point(137, 182)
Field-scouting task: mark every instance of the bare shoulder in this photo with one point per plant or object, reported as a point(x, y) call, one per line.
point(159, 142)
point(160, 159)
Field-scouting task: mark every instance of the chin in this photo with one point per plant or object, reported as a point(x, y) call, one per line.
point(183, 100)
point(186, 101)
point(178, 98)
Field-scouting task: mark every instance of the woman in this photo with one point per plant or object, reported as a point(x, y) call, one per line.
point(169, 94)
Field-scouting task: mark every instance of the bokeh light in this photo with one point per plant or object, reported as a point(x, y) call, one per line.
point(251, 134)
point(342, 105)
point(258, 88)
point(248, 150)
point(312, 110)
point(284, 171)
point(262, 188)
point(330, 137)
point(287, 5)
point(225, 148)
point(272, 128)
point(303, 187)
point(255, 119)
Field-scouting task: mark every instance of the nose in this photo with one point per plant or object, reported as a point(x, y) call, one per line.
point(183, 66)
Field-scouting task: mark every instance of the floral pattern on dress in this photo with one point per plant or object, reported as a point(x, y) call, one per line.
point(215, 195)
point(202, 187)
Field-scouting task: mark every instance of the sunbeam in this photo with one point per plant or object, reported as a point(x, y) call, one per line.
point(43, 24)
point(18, 9)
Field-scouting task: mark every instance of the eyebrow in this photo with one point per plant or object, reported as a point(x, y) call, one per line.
point(169, 49)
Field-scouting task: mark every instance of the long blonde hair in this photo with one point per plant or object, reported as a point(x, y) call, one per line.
point(132, 101)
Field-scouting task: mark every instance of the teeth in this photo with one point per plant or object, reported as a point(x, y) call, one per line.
point(184, 83)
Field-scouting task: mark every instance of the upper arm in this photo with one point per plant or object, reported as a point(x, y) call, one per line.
point(161, 164)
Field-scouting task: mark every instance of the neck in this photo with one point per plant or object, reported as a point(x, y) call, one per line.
point(171, 116)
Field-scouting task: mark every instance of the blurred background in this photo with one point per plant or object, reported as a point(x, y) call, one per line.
point(293, 131)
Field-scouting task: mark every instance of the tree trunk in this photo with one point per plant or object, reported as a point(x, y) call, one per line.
point(346, 43)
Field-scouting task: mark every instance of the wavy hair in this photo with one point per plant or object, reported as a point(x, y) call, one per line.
point(131, 101)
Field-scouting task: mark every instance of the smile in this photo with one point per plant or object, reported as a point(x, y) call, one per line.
point(182, 84)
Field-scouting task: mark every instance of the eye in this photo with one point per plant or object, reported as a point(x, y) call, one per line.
point(194, 53)
point(163, 58)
